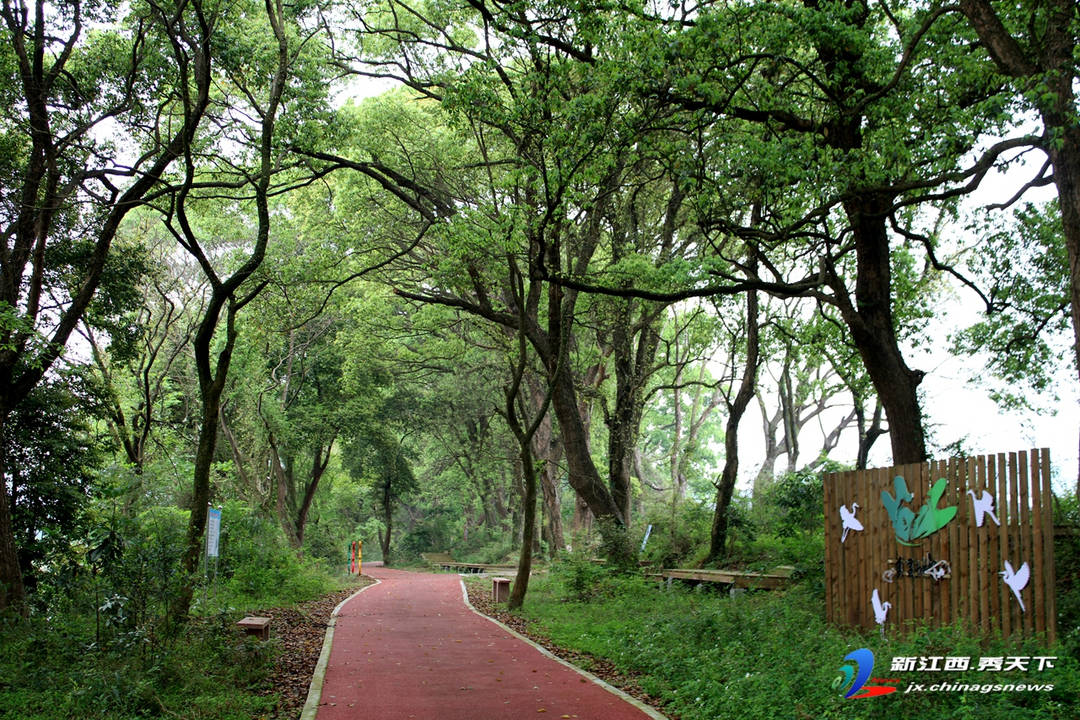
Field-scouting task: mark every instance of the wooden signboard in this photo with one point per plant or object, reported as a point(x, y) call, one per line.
point(968, 538)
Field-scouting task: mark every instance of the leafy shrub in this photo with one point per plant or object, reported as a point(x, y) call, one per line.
point(674, 542)
point(579, 576)
point(257, 564)
point(53, 670)
point(792, 503)
point(1067, 571)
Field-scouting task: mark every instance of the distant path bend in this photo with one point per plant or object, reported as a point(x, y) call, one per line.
point(410, 648)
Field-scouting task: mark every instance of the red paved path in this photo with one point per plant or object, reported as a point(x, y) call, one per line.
point(410, 648)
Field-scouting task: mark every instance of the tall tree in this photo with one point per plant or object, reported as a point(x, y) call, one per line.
point(1036, 45)
point(844, 124)
point(144, 74)
point(258, 85)
point(737, 399)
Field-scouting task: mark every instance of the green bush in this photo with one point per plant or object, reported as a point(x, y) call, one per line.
point(1067, 571)
point(53, 670)
point(258, 567)
point(579, 577)
point(792, 503)
point(678, 541)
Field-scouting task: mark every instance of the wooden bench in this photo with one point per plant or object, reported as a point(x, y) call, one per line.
point(500, 589)
point(443, 561)
point(436, 558)
point(778, 578)
point(254, 625)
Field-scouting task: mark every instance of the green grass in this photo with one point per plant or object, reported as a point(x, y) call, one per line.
point(68, 666)
point(50, 671)
point(771, 655)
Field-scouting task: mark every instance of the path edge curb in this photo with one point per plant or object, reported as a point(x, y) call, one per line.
point(311, 705)
point(647, 709)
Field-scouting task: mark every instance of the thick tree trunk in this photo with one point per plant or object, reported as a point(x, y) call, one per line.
point(319, 462)
point(633, 364)
point(547, 448)
point(524, 568)
point(282, 469)
point(1066, 161)
point(622, 434)
point(584, 477)
point(870, 321)
point(12, 591)
point(200, 496)
point(388, 521)
point(553, 524)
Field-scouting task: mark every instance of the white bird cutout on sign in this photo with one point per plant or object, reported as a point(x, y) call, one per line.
point(984, 505)
point(1017, 580)
point(847, 517)
point(880, 609)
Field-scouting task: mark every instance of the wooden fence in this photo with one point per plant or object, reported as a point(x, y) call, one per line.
point(971, 585)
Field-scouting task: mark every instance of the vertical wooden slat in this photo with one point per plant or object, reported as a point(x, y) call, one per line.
point(947, 545)
point(985, 621)
point(830, 559)
point(993, 549)
point(907, 595)
point(1005, 510)
point(962, 558)
point(883, 540)
point(1025, 541)
point(1016, 622)
point(903, 598)
point(933, 546)
point(886, 539)
point(865, 562)
point(847, 564)
point(833, 543)
point(960, 564)
point(942, 607)
point(953, 539)
point(1048, 546)
point(838, 552)
point(925, 583)
point(839, 483)
point(970, 481)
point(841, 577)
point(867, 494)
point(1038, 604)
point(851, 550)
point(902, 606)
point(855, 572)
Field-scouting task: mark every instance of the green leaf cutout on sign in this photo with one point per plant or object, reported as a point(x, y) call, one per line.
point(909, 526)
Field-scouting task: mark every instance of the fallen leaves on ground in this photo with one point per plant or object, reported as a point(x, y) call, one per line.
point(300, 630)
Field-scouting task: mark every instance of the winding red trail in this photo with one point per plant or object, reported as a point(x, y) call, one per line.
point(410, 648)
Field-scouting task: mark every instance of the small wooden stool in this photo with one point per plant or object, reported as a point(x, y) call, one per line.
point(500, 589)
point(259, 626)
